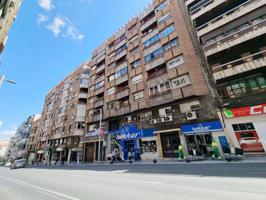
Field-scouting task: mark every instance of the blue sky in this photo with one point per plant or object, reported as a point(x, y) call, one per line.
point(48, 40)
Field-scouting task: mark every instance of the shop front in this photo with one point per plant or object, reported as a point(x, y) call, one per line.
point(90, 147)
point(139, 144)
point(200, 137)
point(168, 142)
point(246, 127)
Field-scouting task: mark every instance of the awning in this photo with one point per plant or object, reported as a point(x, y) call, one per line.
point(167, 130)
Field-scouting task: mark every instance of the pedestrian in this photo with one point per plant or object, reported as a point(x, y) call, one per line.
point(215, 149)
point(180, 152)
point(129, 155)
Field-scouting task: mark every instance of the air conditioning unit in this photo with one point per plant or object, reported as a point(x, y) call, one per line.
point(153, 121)
point(191, 115)
point(169, 118)
point(128, 119)
point(160, 120)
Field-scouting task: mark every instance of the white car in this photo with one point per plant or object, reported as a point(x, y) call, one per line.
point(8, 164)
point(21, 163)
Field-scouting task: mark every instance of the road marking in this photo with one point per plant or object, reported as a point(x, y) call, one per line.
point(41, 189)
point(146, 182)
point(120, 171)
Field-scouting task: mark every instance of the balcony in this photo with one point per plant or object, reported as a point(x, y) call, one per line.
point(98, 103)
point(121, 54)
point(94, 118)
point(121, 79)
point(122, 110)
point(240, 65)
point(99, 69)
point(78, 132)
point(157, 73)
point(199, 5)
point(160, 98)
point(230, 16)
point(83, 96)
point(122, 93)
point(236, 38)
point(84, 85)
point(99, 91)
point(148, 23)
point(154, 63)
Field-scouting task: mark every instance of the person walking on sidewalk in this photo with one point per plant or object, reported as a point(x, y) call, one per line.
point(180, 152)
point(215, 149)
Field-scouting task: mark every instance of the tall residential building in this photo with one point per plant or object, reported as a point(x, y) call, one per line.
point(17, 144)
point(8, 12)
point(149, 83)
point(63, 118)
point(233, 36)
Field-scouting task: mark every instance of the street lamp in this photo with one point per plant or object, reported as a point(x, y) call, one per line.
point(100, 127)
point(2, 79)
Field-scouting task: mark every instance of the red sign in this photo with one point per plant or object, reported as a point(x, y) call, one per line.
point(245, 111)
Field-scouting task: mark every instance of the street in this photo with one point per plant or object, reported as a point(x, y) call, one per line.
point(156, 182)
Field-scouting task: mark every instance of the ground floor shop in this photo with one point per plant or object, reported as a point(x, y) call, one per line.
point(132, 143)
point(246, 128)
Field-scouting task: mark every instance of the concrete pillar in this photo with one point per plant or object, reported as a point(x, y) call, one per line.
point(69, 155)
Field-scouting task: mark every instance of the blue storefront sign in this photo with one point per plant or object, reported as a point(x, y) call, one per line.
point(202, 127)
point(131, 132)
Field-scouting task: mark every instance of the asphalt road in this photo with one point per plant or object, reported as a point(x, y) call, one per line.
point(138, 182)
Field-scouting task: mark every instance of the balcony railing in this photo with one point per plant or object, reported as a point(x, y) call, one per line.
point(230, 15)
point(233, 39)
point(122, 93)
point(240, 65)
point(198, 5)
point(98, 103)
point(157, 73)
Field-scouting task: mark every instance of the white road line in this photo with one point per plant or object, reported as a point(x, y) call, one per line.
point(145, 182)
point(120, 171)
point(41, 189)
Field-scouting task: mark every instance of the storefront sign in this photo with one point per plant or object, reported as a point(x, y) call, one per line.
point(128, 136)
point(202, 127)
point(91, 134)
point(245, 111)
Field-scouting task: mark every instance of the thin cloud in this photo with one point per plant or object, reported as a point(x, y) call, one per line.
point(62, 26)
point(1, 123)
point(7, 134)
point(46, 4)
point(41, 19)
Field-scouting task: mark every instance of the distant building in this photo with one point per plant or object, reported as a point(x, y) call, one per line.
point(17, 145)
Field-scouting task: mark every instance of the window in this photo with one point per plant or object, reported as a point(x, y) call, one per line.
point(84, 81)
point(151, 40)
point(139, 95)
point(160, 88)
point(164, 18)
point(242, 87)
point(137, 79)
point(167, 31)
point(120, 49)
point(134, 51)
point(132, 40)
point(161, 6)
point(121, 73)
point(243, 127)
point(157, 53)
point(111, 77)
point(110, 105)
point(170, 45)
point(135, 64)
point(180, 81)
point(99, 85)
point(86, 71)
point(111, 90)
point(175, 62)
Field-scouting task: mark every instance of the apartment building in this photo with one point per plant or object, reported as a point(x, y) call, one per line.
point(148, 91)
point(17, 144)
point(233, 36)
point(63, 119)
point(8, 12)
point(32, 142)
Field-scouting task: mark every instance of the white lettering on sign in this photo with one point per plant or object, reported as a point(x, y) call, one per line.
point(201, 128)
point(127, 136)
point(257, 110)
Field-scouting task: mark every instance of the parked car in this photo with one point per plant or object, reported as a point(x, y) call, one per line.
point(21, 163)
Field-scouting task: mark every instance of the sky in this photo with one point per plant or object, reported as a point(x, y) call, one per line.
point(47, 41)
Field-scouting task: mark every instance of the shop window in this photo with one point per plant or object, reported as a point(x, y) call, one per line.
point(148, 146)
